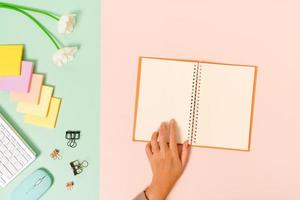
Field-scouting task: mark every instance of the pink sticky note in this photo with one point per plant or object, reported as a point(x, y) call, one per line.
point(33, 96)
point(18, 83)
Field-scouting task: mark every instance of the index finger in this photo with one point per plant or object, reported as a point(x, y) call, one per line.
point(163, 136)
point(173, 134)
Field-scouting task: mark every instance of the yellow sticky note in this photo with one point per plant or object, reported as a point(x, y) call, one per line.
point(40, 109)
point(10, 60)
point(50, 120)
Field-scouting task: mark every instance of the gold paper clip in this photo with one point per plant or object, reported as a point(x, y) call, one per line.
point(56, 155)
point(70, 185)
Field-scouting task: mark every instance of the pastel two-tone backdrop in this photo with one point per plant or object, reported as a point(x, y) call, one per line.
point(77, 84)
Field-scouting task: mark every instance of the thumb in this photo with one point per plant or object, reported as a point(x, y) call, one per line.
point(186, 148)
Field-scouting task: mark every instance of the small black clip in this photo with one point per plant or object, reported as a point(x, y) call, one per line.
point(72, 136)
point(78, 167)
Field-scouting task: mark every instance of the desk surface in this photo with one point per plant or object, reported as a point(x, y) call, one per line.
point(262, 33)
point(76, 83)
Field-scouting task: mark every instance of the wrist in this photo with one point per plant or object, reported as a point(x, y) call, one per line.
point(156, 192)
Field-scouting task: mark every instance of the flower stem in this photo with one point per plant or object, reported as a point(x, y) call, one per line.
point(44, 29)
point(52, 15)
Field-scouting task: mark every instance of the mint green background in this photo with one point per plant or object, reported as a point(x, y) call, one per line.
point(76, 83)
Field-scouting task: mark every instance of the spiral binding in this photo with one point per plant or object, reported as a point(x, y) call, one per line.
point(194, 106)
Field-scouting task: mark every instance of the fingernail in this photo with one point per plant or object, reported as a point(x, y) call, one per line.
point(172, 121)
point(187, 143)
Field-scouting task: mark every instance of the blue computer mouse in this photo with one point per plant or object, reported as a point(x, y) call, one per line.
point(34, 186)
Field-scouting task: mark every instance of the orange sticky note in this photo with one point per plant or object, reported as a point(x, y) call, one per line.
point(33, 96)
point(40, 109)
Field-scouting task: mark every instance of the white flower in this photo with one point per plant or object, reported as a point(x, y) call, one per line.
point(66, 24)
point(64, 55)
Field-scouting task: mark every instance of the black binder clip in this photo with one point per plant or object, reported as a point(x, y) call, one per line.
point(78, 167)
point(72, 136)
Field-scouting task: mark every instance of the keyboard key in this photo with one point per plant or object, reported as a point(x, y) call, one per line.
point(5, 171)
point(6, 133)
point(18, 165)
point(27, 156)
point(21, 150)
point(1, 155)
point(12, 140)
point(8, 175)
point(21, 159)
point(5, 140)
point(2, 148)
point(11, 168)
point(4, 160)
point(1, 128)
point(10, 146)
point(7, 153)
point(2, 181)
point(1, 135)
point(13, 160)
point(16, 152)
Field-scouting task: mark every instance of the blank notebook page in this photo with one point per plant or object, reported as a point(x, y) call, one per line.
point(225, 102)
point(164, 93)
point(212, 103)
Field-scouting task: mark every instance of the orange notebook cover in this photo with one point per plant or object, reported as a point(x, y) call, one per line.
point(211, 102)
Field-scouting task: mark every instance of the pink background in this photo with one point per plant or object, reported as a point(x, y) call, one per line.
point(263, 33)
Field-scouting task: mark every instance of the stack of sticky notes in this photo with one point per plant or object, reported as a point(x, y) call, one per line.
point(26, 88)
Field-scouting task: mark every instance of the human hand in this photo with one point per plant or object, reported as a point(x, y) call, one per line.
point(167, 160)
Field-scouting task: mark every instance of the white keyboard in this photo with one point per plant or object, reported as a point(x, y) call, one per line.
point(15, 154)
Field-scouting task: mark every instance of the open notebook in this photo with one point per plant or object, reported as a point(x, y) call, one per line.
point(211, 102)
